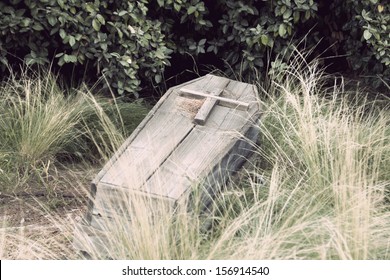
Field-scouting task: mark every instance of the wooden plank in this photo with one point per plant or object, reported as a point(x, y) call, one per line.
point(222, 100)
point(242, 149)
point(206, 108)
point(148, 150)
point(113, 200)
point(230, 163)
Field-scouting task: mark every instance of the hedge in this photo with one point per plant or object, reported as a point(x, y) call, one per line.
point(131, 43)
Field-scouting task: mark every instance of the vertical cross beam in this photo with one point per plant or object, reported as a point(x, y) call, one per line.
point(206, 108)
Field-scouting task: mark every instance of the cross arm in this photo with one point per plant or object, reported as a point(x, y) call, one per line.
point(222, 100)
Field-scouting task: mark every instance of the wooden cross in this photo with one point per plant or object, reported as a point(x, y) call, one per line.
point(211, 100)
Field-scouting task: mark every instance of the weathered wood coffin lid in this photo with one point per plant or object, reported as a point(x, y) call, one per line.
point(193, 129)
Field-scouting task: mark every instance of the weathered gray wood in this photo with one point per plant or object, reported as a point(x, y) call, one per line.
point(202, 149)
point(152, 145)
point(170, 175)
point(141, 126)
point(223, 100)
point(182, 142)
point(206, 108)
point(113, 200)
point(143, 158)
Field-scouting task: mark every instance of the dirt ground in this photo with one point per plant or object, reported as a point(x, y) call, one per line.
point(38, 224)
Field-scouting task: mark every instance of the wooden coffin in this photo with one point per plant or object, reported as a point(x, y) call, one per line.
point(200, 131)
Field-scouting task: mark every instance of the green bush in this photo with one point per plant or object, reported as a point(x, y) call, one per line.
point(254, 34)
point(131, 41)
point(109, 37)
point(239, 32)
point(360, 30)
point(374, 19)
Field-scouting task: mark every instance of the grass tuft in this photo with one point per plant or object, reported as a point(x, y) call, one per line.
point(42, 125)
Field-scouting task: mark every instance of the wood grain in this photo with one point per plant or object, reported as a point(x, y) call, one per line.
point(182, 142)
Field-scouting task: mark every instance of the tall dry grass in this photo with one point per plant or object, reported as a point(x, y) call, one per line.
point(325, 159)
point(316, 188)
point(46, 150)
point(41, 124)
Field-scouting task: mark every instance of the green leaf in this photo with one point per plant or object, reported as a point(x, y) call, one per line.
point(307, 14)
point(191, 10)
point(283, 9)
point(192, 46)
point(26, 22)
point(62, 33)
point(177, 7)
point(30, 61)
point(124, 63)
point(287, 14)
point(61, 61)
point(70, 58)
point(264, 40)
point(367, 34)
point(52, 20)
point(202, 22)
point(89, 7)
point(282, 30)
point(158, 78)
point(160, 3)
point(120, 33)
point(210, 48)
point(101, 19)
point(225, 28)
point(72, 41)
point(114, 54)
point(296, 16)
point(61, 3)
point(37, 26)
point(159, 54)
point(96, 24)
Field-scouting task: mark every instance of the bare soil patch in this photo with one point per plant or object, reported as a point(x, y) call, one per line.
point(36, 222)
